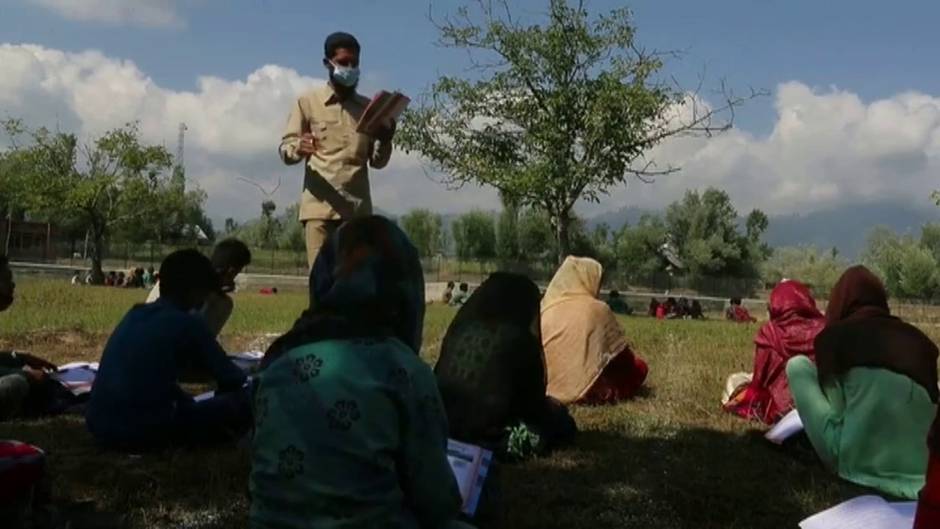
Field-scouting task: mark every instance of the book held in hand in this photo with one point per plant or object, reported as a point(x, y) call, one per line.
point(864, 512)
point(384, 108)
point(76, 377)
point(470, 464)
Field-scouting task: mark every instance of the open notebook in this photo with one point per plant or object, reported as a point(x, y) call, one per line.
point(76, 377)
point(788, 426)
point(864, 512)
point(470, 465)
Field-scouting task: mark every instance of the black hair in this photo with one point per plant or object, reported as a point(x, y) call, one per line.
point(339, 40)
point(184, 271)
point(464, 287)
point(614, 294)
point(231, 253)
point(450, 284)
point(735, 301)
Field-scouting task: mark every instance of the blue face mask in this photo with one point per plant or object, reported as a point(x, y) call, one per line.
point(347, 76)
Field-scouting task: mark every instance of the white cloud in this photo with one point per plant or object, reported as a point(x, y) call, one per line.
point(827, 147)
point(234, 126)
point(147, 13)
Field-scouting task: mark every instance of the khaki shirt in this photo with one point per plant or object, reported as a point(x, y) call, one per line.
point(336, 177)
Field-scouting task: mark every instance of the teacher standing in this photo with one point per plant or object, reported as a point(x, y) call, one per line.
point(321, 130)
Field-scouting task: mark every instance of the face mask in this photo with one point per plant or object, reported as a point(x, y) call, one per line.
point(346, 76)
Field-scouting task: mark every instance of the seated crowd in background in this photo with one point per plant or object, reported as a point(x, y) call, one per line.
point(491, 371)
point(587, 356)
point(617, 304)
point(460, 296)
point(229, 258)
point(136, 401)
point(868, 402)
point(349, 423)
point(794, 322)
point(682, 309)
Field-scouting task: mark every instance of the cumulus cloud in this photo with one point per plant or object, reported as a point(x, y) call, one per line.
point(147, 13)
point(234, 126)
point(827, 146)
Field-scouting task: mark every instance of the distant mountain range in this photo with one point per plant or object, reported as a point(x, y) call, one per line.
point(844, 227)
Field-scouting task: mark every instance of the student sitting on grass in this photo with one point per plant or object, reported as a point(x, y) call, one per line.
point(869, 404)
point(617, 304)
point(460, 296)
point(737, 313)
point(448, 293)
point(136, 401)
point(587, 355)
point(794, 323)
point(350, 430)
point(229, 258)
point(491, 370)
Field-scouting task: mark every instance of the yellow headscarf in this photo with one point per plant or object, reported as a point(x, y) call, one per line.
point(577, 277)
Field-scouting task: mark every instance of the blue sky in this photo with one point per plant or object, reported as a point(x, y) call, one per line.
point(873, 51)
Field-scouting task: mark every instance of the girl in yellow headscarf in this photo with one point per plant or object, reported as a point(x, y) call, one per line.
point(587, 356)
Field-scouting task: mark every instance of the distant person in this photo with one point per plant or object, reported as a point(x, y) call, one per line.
point(350, 429)
point(136, 401)
point(491, 370)
point(268, 291)
point(695, 311)
point(653, 308)
point(229, 258)
point(76, 279)
point(683, 308)
point(587, 356)
point(321, 132)
point(737, 313)
point(149, 278)
point(110, 280)
point(448, 293)
point(617, 304)
point(794, 323)
point(868, 402)
point(121, 280)
point(671, 308)
point(460, 297)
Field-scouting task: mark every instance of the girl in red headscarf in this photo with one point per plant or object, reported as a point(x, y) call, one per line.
point(928, 505)
point(794, 323)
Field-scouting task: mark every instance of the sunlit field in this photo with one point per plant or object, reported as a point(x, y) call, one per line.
point(669, 459)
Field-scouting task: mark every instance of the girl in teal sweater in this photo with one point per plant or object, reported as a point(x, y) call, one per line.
point(869, 401)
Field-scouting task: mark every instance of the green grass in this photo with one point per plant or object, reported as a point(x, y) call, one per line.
point(669, 459)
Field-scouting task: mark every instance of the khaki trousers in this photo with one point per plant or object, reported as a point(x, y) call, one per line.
point(316, 232)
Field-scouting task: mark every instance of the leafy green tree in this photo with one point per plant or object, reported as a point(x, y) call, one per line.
point(704, 227)
point(426, 231)
point(558, 111)
point(883, 253)
point(819, 269)
point(475, 235)
point(536, 241)
point(507, 232)
point(918, 277)
point(114, 181)
point(637, 248)
point(930, 238)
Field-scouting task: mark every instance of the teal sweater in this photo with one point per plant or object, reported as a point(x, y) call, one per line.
point(869, 425)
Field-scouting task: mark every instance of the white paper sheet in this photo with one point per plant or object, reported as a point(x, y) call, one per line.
point(864, 512)
point(788, 426)
point(470, 465)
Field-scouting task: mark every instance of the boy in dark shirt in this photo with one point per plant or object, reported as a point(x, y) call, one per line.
point(136, 401)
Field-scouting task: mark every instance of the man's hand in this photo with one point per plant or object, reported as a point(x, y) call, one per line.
point(36, 363)
point(385, 134)
point(35, 376)
point(308, 145)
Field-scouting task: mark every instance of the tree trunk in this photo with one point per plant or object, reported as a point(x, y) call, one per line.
point(562, 236)
point(97, 254)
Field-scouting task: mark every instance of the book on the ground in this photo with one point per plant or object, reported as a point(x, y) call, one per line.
point(788, 426)
point(864, 512)
point(470, 464)
point(248, 361)
point(76, 377)
point(209, 394)
point(384, 108)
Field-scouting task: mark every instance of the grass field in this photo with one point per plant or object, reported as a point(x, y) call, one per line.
point(669, 459)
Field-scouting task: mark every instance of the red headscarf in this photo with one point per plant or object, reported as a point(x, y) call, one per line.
point(794, 323)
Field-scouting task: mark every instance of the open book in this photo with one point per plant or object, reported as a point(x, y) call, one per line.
point(384, 108)
point(788, 426)
point(470, 465)
point(249, 361)
point(76, 377)
point(864, 512)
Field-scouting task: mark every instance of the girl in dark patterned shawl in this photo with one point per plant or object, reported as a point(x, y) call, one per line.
point(350, 431)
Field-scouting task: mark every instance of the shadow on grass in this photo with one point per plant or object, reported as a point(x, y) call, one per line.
point(199, 489)
point(694, 478)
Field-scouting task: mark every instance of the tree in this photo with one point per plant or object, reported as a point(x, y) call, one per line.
point(475, 235)
point(230, 225)
point(507, 232)
point(560, 112)
point(270, 227)
point(816, 268)
point(115, 180)
point(536, 241)
point(637, 248)
point(930, 239)
point(426, 231)
point(704, 228)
